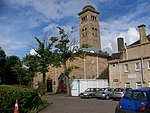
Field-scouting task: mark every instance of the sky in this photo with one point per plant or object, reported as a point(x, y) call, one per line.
point(22, 20)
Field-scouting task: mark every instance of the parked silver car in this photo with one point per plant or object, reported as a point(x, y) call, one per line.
point(119, 92)
point(105, 93)
point(89, 93)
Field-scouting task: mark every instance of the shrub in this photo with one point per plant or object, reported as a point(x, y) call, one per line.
point(28, 100)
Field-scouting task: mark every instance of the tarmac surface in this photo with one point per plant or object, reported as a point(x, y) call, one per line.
point(64, 104)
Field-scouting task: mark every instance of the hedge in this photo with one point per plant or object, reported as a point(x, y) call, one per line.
point(28, 100)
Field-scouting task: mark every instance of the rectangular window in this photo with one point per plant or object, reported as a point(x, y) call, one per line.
point(137, 66)
point(127, 85)
point(125, 67)
point(138, 85)
point(148, 63)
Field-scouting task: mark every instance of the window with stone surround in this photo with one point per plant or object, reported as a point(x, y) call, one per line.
point(84, 19)
point(138, 85)
point(125, 67)
point(84, 32)
point(93, 17)
point(127, 85)
point(137, 66)
point(94, 31)
point(148, 64)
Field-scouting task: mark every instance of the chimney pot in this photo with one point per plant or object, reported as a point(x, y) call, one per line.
point(142, 31)
point(120, 42)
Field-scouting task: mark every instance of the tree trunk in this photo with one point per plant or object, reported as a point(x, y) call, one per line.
point(43, 90)
point(68, 86)
point(67, 79)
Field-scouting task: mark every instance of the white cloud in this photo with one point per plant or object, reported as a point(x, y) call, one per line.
point(33, 52)
point(113, 29)
point(54, 12)
point(51, 9)
point(55, 32)
point(125, 26)
point(10, 46)
point(50, 27)
point(130, 36)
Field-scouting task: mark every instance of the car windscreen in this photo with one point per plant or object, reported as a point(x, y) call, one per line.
point(118, 90)
point(88, 90)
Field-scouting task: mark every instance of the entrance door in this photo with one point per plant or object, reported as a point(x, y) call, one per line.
point(49, 86)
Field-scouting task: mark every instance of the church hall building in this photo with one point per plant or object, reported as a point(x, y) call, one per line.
point(93, 66)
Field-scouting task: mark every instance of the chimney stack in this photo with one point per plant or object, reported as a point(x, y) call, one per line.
point(120, 42)
point(142, 31)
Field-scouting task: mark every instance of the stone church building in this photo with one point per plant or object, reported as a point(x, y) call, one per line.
point(93, 66)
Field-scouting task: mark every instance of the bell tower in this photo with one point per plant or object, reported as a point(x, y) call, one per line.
point(89, 27)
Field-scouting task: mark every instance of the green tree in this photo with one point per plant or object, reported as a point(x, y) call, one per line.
point(9, 76)
point(44, 56)
point(2, 63)
point(67, 51)
point(55, 51)
point(22, 73)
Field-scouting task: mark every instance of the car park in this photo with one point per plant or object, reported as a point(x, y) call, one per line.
point(135, 101)
point(89, 93)
point(105, 93)
point(119, 92)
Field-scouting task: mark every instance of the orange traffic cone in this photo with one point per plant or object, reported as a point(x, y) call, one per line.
point(16, 109)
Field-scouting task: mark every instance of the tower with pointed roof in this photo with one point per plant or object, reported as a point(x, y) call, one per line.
point(89, 27)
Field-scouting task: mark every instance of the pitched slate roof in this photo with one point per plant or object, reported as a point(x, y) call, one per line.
point(115, 56)
point(118, 55)
point(95, 51)
point(138, 41)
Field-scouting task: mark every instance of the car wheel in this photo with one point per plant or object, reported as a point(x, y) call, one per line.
point(90, 96)
point(107, 97)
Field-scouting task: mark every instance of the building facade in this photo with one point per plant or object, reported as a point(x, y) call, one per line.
point(130, 67)
point(93, 66)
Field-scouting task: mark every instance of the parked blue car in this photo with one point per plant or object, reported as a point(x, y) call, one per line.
point(135, 101)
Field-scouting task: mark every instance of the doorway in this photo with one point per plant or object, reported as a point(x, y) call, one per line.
point(49, 86)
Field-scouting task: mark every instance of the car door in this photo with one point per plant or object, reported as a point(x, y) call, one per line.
point(110, 91)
